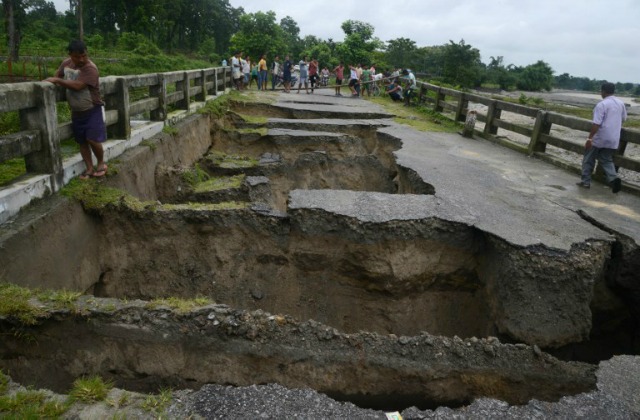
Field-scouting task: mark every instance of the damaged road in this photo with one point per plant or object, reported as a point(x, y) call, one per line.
point(345, 252)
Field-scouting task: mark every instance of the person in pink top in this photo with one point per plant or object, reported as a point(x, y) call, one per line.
point(339, 72)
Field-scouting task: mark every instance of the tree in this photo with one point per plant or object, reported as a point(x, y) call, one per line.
point(13, 19)
point(461, 64)
point(358, 44)
point(498, 74)
point(536, 77)
point(259, 34)
point(401, 52)
point(291, 37)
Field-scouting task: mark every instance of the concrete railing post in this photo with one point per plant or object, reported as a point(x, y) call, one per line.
point(184, 85)
point(215, 82)
point(160, 91)
point(120, 102)
point(44, 118)
point(493, 113)
point(438, 107)
point(461, 110)
point(202, 96)
point(541, 126)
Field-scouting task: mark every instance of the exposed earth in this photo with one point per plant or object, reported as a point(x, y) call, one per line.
point(333, 264)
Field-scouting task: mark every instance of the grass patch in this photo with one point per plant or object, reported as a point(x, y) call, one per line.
point(69, 147)
point(196, 175)
point(61, 299)
point(31, 405)
point(90, 389)
point(15, 302)
point(168, 129)
point(419, 117)
point(179, 305)
point(219, 106)
point(94, 195)
point(11, 169)
point(220, 183)
point(632, 123)
point(254, 119)
point(150, 144)
point(157, 404)
point(229, 205)
point(262, 131)
point(223, 160)
point(4, 383)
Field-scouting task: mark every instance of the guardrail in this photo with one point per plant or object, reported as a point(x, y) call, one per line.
point(539, 136)
point(38, 140)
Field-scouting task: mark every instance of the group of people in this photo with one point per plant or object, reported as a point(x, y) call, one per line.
point(309, 74)
point(243, 74)
point(310, 77)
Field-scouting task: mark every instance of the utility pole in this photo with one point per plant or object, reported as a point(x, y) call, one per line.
point(75, 6)
point(80, 22)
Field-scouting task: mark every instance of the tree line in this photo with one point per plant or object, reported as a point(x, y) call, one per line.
point(214, 30)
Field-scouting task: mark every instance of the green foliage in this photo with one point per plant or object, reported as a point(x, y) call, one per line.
point(90, 389)
point(10, 170)
point(170, 130)
point(157, 404)
point(196, 175)
point(220, 183)
point(536, 77)
point(31, 405)
point(15, 302)
point(95, 196)
point(259, 34)
point(180, 305)
point(461, 64)
point(4, 382)
point(358, 44)
point(138, 44)
point(61, 299)
point(401, 53)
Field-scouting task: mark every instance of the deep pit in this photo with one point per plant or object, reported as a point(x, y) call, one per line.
point(331, 266)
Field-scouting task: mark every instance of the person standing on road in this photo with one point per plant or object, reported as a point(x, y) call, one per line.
point(275, 71)
point(262, 73)
point(313, 73)
point(304, 74)
point(604, 138)
point(339, 71)
point(286, 74)
point(81, 78)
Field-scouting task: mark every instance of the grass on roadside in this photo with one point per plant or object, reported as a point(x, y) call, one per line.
point(90, 389)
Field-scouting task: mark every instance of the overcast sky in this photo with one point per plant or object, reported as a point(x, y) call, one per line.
point(598, 39)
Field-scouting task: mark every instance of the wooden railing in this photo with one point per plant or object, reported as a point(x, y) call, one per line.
point(38, 140)
point(539, 135)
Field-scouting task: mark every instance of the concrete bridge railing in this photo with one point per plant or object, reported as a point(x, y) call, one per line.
point(445, 99)
point(126, 98)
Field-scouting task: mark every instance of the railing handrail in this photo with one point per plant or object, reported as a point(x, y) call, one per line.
point(539, 135)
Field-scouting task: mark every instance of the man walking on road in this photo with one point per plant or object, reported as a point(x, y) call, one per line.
point(604, 138)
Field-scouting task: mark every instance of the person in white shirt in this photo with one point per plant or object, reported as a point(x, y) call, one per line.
point(604, 138)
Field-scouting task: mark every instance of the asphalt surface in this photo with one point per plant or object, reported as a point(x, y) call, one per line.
point(523, 200)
